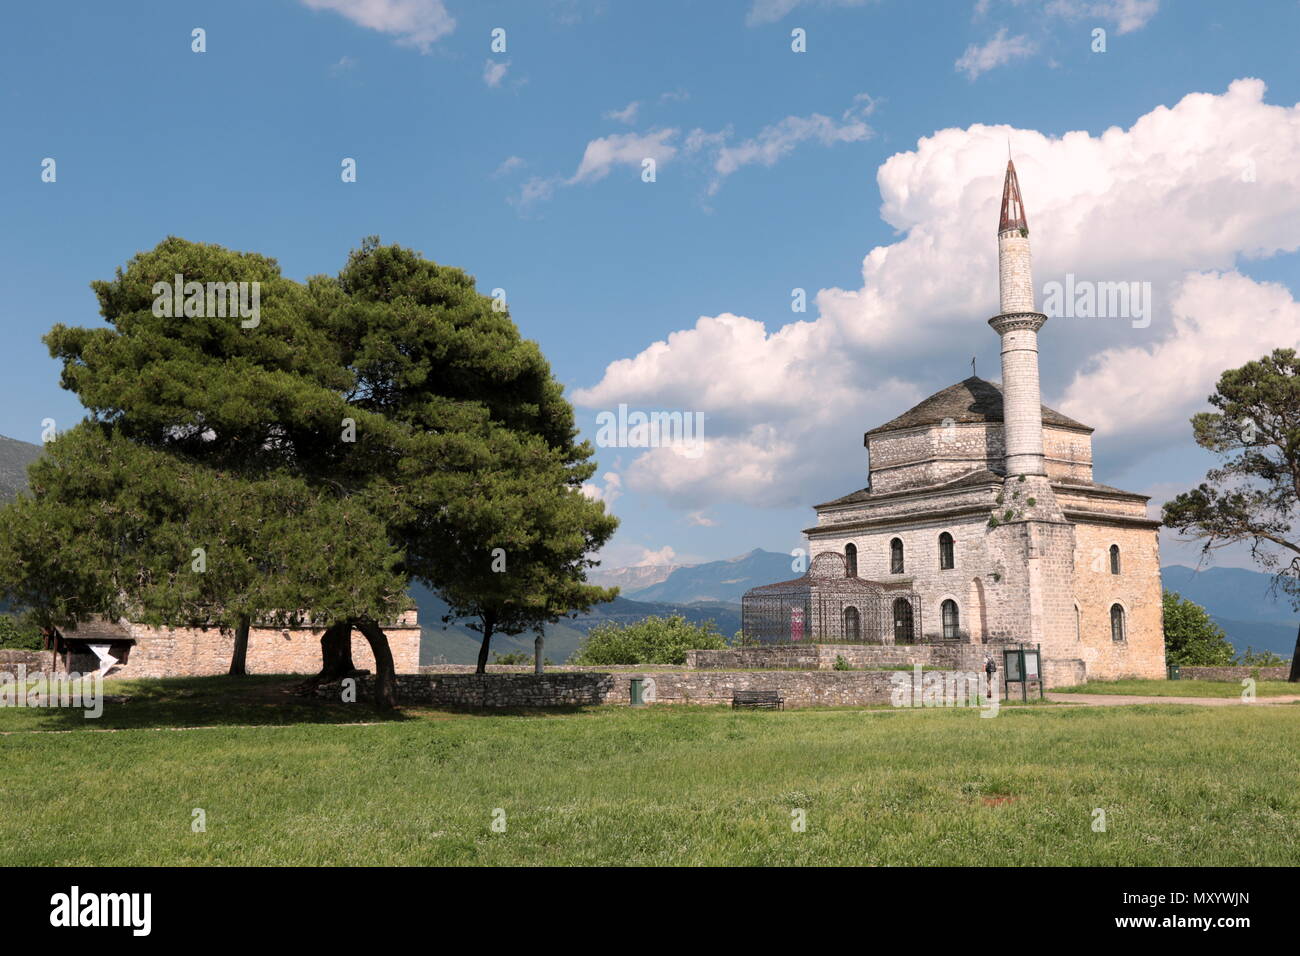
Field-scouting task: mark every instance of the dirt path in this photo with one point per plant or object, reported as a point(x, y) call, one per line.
point(1116, 700)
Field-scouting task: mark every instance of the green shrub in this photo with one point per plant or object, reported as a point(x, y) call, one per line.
point(654, 640)
point(15, 632)
point(1254, 658)
point(517, 657)
point(1191, 637)
point(842, 664)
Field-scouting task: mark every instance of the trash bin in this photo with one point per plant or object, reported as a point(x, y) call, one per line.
point(638, 691)
point(1175, 673)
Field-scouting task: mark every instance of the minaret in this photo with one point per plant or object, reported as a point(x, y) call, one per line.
point(1018, 325)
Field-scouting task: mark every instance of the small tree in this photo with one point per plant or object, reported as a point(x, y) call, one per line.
point(1255, 496)
point(653, 640)
point(1191, 638)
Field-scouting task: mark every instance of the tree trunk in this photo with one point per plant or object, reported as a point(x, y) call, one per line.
point(537, 655)
point(336, 656)
point(336, 652)
point(385, 673)
point(1295, 660)
point(239, 660)
point(489, 625)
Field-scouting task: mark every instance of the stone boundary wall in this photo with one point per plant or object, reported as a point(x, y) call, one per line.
point(550, 668)
point(1235, 673)
point(800, 688)
point(821, 657)
point(203, 652)
point(859, 656)
point(35, 660)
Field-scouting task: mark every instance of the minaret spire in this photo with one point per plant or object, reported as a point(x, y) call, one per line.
point(1018, 324)
point(1013, 208)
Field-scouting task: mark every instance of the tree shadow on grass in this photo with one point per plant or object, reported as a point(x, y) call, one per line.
point(257, 700)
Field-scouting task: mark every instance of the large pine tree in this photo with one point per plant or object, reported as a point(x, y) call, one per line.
point(386, 424)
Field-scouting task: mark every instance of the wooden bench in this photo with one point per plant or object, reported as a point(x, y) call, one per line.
point(764, 699)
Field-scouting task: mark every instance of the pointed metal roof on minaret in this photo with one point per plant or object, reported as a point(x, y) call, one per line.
point(1013, 207)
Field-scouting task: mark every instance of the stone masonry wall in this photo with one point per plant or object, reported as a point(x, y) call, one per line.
point(822, 656)
point(800, 688)
point(33, 660)
point(1235, 673)
point(1068, 453)
point(933, 454)
point(192, 652)
point(1136, 588)
point(1061, 672)
point(920, 539)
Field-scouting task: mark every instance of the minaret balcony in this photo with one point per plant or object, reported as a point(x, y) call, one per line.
point(1018, 322)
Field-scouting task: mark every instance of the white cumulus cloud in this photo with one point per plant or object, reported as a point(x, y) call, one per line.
point(770, 11)
point(626, 115)
point(1127, 15)
point(997, 51)
point(778, 140)
point(623, 149)
point(494, 71)
point(1179, 199)
point(417, 23)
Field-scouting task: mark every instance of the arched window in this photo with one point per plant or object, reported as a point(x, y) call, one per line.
point(1114, 559)
point(896, 556)
point(947, 560)
point(1116, 623)
point(851, 559)
point(903, 633)
point(949, 609)
point(852, 623)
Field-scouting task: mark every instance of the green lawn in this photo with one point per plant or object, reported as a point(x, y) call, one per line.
point(1182, 688)
point(666, 785)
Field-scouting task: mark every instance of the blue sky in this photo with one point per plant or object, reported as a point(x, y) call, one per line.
point(775, 170)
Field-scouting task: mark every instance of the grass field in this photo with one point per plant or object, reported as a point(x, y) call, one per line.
point(1180, 785)
point(1181, 688)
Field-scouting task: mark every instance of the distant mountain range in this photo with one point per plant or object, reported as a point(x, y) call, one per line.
point(1238, 601)
point(719, 581)
point(700, 592)
point(457, 644)
point(632, 578)
point(15, 456)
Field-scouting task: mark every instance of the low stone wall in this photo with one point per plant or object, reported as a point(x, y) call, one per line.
point(859, 656)
point(821, 657)
point(550, 668)
point(560, 689)
point(34, 660)
point(1235, 673)
point(201, 652)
